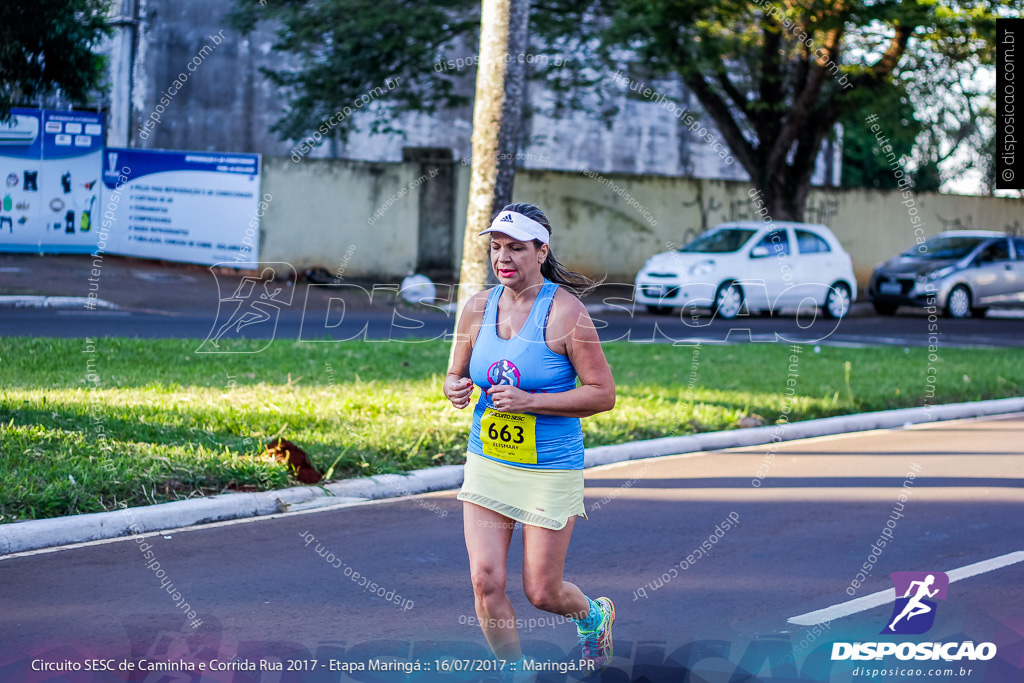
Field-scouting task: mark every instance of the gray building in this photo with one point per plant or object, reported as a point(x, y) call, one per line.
point(182, 78)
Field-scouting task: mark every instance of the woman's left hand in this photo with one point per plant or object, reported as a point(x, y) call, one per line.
point(509, 399)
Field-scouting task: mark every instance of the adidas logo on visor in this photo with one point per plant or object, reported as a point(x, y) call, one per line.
point(518, 226)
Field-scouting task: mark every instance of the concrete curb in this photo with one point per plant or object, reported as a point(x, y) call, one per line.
point(826, 426)
point(39, 301)
point(45, 533)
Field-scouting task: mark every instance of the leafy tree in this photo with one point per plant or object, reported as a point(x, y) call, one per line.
point(47, 46)
point(775, 77)
point(957, 111)
point(343, 50)
point(336, 52)
point(864, 163)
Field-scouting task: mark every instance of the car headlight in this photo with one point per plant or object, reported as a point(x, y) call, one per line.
point(702, 268)
point(936, 274)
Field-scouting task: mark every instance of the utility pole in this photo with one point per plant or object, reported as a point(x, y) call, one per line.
point(497, 111)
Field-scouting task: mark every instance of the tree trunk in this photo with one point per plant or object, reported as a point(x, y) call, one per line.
point(497, 111)
point(790, 206)
point(787, 183)
point(783, 197)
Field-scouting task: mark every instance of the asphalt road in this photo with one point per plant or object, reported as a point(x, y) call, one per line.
point(614, 324)
point(284, 590)
point(171, 300)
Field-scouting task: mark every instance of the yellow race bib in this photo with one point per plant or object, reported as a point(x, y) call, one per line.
point(509, 436)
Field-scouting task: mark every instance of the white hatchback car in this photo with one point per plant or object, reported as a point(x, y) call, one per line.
point(763, 266)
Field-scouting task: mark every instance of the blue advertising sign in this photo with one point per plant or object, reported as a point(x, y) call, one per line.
point(196, 207)
point(50, 162)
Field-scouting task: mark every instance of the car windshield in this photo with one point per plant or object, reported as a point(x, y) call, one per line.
point(944, 248)
point(719, 241)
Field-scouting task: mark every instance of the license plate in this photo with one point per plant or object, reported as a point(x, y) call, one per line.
point(890, 288)
point(654, 290)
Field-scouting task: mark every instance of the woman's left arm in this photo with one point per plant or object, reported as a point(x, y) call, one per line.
point(570, 331)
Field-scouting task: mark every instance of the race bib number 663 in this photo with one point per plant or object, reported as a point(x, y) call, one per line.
point(509, 436)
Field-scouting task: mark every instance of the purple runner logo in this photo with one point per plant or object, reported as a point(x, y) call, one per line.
point(503, 372)
point(914, 612)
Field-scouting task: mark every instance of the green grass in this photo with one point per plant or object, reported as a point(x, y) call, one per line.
point(84, 428)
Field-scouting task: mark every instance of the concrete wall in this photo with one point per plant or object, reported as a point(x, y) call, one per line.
point(614, 223)
point(224, 103)
point(320, 211)
point(603, 224)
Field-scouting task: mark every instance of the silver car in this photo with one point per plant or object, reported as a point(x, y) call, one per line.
point(961, 272)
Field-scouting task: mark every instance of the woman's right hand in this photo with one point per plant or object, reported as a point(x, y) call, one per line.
point(458, 390)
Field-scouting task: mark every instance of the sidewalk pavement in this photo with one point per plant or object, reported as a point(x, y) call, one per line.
point(25, 536)
point(124, 282)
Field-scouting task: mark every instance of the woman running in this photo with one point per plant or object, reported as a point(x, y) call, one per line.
point(524, 343)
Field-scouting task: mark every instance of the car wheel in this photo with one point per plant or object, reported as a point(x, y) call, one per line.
point(728, 300)
point(837, 301)
point(659, 310)
point(884, 309)
point(958, 305)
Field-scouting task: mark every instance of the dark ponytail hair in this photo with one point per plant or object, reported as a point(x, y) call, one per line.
point(577, 283)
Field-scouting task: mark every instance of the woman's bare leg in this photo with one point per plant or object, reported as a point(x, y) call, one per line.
point(488, 535)
point(544, 554)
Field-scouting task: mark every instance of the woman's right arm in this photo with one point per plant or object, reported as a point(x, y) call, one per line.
point(458, 387)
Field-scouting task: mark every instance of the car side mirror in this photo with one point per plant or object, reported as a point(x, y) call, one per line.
point(759, 252)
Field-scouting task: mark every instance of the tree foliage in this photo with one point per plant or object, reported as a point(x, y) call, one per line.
point(336, 53)
point(47, 46)
point(957, 111)
point(775, 77)
point(864, 163)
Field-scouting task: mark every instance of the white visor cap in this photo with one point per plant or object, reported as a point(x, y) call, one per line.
point(518, 227)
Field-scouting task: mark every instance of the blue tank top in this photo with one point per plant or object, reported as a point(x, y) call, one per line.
point(526, 362)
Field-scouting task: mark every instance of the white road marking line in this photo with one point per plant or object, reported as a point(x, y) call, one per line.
point(845, 609)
